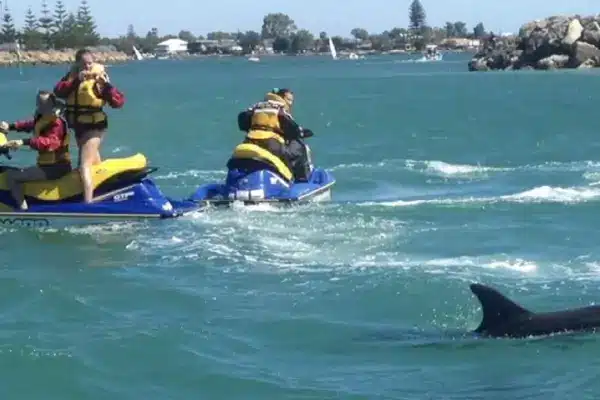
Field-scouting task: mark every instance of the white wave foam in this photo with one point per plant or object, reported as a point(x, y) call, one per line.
point(382, 163)
point(541, 194)
point(555, 195)
point(192, 174)
point(474, 171)
point(447, 170)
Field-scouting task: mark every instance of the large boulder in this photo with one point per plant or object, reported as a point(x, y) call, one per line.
point(574, 31)
point(591, 33)
point(554, 42)
point(555, 61)
point(582, 52)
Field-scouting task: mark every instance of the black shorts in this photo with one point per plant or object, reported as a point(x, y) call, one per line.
point(82, 129)
point(56, 171)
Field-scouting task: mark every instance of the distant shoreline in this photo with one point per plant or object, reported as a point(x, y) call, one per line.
point(62, 57)
point(56, 57)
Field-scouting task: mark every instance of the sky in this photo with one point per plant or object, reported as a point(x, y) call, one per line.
point(203, 16)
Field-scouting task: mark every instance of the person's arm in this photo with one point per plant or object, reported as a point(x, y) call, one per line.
point(66, 85)
point(244, 119)
point(22, 126)
point(113, 96)
point(291, 129)
point(51, 140)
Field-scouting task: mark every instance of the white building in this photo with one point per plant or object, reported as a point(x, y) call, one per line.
point(171, 46)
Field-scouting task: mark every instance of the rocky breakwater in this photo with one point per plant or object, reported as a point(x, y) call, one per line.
point(555, 42)
point(57, 57)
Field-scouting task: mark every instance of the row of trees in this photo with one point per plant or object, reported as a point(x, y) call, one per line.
point(58, 29)
point(62, 28)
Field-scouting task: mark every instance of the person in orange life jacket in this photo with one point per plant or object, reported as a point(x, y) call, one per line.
point(50, 139)
point(270, 125)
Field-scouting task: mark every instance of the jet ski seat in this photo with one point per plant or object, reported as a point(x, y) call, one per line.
point(250, 157)
point(110, 172)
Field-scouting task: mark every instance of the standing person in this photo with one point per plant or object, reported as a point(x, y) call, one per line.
point(87, 89)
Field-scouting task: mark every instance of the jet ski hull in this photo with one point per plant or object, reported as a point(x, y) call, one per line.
point(265, 186)
point(137, 201)
point(122, 190)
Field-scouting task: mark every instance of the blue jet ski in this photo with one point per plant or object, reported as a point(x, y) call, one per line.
point(122, 191)
point(256, 176)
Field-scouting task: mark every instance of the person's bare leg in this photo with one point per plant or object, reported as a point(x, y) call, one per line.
point(80, 141)
point(88, 156)
point(98, 158)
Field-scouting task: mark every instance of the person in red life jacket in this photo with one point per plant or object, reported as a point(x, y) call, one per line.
point(87, 89)
point(50, 139)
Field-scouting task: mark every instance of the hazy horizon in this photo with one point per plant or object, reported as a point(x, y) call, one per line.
point(113, 16)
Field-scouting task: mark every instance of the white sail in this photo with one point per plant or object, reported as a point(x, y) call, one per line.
point(332, 49)
point(138, 55)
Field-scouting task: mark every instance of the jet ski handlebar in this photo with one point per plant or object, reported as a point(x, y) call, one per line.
point(306, 133)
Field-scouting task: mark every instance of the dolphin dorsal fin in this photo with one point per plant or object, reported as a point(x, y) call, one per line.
point(496, 307)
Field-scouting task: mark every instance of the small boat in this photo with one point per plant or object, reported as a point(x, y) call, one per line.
point(255, 176)
point(123, 192)
point(253, 59)
point(431, 54)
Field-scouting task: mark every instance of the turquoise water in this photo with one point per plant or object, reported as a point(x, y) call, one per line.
point(444, 178)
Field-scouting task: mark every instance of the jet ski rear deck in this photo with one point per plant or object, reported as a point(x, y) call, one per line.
point(253, 178)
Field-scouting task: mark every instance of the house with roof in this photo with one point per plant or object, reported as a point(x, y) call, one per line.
point(171, 46)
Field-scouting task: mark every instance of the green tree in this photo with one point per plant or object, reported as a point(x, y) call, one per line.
point(70, 37)
point(9, 32)
point(417, 17)
point(398, 37)
point(301, 41)
point(187, 36)
point(381, 42)
point(460, 29)
point(57, 25)
point(360, 33)
point(277, 25)
point(219, 35)
point(479, 31)
point(149, 43)
point(338, 42)
point(398, 33)
point(281, 45)
point(249, 41)
point(45, 24)
point(31, 37)
point(450, 31)
point(86, 27)
point(131, 35)
point(131, 39)
point(435, 35)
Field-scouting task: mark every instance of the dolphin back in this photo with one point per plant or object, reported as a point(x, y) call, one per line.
point(497, 309)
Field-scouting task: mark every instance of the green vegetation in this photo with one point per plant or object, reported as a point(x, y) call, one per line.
point(62, 28)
